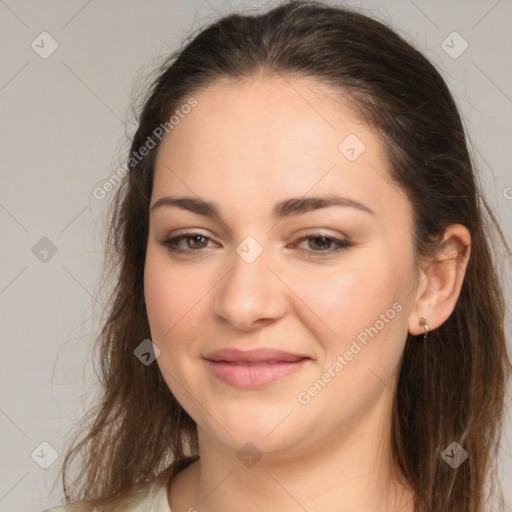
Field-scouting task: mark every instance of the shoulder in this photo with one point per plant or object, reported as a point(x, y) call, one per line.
point(77, 506)
point(149, 496)
point(72, 507)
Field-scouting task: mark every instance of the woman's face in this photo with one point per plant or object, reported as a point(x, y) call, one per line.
point(265, 271)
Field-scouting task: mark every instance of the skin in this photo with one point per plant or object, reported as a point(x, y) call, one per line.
point(247, 146)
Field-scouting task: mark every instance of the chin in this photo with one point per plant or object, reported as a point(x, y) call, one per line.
point(266, 436)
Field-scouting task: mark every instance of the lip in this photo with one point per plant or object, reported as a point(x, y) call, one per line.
point(250, 369)
point(258, 355)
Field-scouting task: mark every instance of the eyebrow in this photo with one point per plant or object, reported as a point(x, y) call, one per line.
point(287, 208)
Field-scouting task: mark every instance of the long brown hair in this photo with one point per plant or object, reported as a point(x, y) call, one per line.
point(450, 388)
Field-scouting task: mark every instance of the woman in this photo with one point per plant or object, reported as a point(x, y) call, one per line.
point(307, 313)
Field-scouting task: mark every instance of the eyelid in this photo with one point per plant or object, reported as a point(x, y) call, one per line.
point(188, 232)
point(339, 243)
point(183, 234)
point(310, 234)
point(323, 232)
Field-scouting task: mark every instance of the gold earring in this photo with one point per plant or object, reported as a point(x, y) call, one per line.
point(424, 324)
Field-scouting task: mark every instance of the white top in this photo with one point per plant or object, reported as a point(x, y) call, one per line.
point(154, 499)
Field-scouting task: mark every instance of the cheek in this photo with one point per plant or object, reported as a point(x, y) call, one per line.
point(171, 295)
point(363, 321)
point(350, 297)
point(173, 301)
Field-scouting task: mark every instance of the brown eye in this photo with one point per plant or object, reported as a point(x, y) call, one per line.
point(320, 242)
point(320, 245)
point(196, 241)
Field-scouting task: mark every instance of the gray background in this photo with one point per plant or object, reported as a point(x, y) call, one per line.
point(65, 120)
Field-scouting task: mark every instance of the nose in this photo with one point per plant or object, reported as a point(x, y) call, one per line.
point(250, 295)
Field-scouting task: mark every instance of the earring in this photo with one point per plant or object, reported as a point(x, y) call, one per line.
point(424, 324)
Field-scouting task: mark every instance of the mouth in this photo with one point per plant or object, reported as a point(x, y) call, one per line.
point(259, 363)
point(255, 374)
point(259, 356)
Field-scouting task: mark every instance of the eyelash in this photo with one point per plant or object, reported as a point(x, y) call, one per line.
point(170, 243)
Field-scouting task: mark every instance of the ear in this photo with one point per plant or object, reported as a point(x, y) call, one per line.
point(441, 279)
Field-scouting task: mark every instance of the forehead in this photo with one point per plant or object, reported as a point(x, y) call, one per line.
point(275, 119)
point(249, 141)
